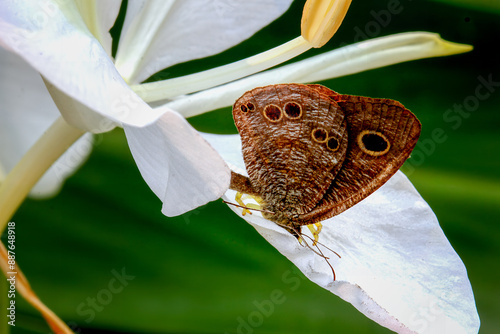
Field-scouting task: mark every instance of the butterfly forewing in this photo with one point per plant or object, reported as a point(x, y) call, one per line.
point(294, 142)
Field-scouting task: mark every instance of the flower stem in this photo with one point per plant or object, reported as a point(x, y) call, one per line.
point(161, 90)
point(2, 174)
point(23, 287)
point(49, 147)
point(4, 304)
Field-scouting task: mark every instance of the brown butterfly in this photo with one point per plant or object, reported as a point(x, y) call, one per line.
point(312, 153)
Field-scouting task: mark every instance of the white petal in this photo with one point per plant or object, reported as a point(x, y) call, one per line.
point(100, 16)
point(51, 182)
point(181, 168)
point(178, 31)
point(77, 113)
point(68, 56)
point(351, 59)
point(397, 266)
point(26, 112)
point(229, 147)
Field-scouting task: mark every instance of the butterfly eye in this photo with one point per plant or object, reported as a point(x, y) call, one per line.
point(319, 135)
point(272, 113)
point(247, 107)
point(373, 143)
point(293, 110)
point(332, 144)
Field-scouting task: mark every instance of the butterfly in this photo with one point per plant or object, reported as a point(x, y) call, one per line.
point(312, 153)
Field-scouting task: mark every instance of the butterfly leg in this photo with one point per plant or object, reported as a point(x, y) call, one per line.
point(244, 190)
point(240, 197)
point(315, 230)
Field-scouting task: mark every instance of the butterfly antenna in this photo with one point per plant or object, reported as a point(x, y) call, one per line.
point(247, 208)
point(300, 234)
point(319, 252)
point(331, 250)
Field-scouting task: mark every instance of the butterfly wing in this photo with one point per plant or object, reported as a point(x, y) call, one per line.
point(382, 133)
point(294, 140)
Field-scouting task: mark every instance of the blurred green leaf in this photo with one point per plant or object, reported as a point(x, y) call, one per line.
point(485, 5)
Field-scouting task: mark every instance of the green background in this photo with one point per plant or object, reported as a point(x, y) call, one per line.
point(205, 271)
